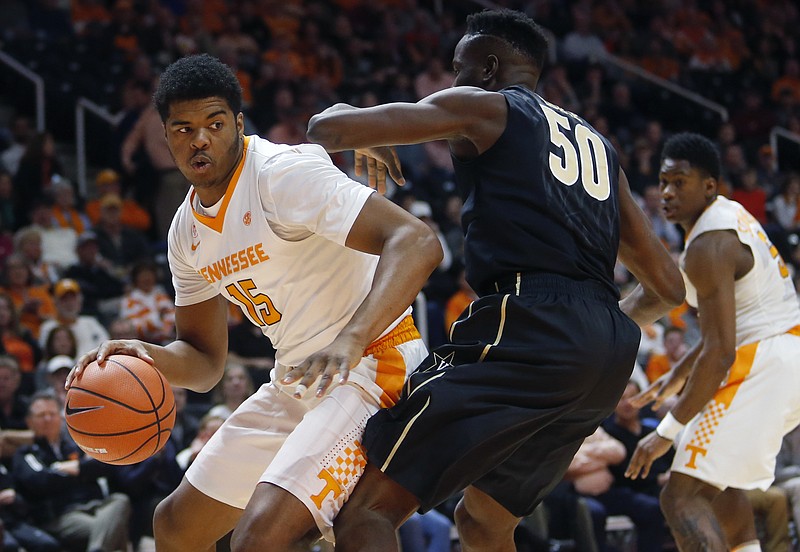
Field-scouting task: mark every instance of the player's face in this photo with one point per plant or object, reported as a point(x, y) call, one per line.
point(206, 140)
point(685, 191)
point(467, 65)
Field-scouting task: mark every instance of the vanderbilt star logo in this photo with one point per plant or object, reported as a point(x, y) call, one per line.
point(70, 410)
point(442, 362)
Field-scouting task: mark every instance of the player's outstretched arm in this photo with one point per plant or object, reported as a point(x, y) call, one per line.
point(660, 286)
point(463, 113)
point(195, 360)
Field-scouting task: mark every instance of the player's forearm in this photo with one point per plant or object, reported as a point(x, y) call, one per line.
point(328, 130)
point(186, 366)
point(645, 307)
point(707, 374)
point(407, 260)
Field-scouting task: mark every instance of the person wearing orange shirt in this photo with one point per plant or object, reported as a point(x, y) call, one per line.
point(108, 182)
point(674, 349)
point(34, 303)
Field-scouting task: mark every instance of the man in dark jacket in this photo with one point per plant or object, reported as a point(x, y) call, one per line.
point(67, 491)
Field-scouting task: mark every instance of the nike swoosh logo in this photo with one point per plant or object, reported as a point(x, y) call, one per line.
point(194, 245)
point(78, 410)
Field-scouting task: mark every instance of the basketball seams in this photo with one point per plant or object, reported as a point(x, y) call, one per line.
point(123, 445)
point(149, 395)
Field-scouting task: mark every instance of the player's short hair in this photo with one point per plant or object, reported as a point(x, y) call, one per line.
point(699, 151)
point(513, 27)
point(194, 78)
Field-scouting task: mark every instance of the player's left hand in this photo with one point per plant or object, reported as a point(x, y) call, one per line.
point(650, 448)
point(379, 161)
point(336, 358)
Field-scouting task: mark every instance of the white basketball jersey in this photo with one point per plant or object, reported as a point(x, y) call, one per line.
point(275, 247)
point(766, 302)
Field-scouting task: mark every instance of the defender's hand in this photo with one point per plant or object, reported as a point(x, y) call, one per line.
point(378, 161)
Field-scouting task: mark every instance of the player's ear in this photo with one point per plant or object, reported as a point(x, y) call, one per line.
point(490, 67)
point(240, 123)
point(711, 186)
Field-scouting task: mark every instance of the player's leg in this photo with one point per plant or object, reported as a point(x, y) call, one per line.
point(735, 516)
point(369, 519)
point(686, 503)
point(189, 520)
point(275, 516)
point(483, 524)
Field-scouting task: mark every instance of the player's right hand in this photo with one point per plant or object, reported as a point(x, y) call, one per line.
point(379, 161)
point(132, 347)
point(664, 388)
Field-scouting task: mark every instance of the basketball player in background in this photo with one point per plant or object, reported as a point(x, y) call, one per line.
point(326, 267)
point(544, 354)
point(741, 381)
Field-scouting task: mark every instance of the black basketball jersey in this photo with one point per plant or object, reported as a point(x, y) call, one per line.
point(542, 199)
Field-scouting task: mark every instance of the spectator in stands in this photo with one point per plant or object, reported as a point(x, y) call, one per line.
point(147, 483)
point(236, 386)
point(674, 349)
point(784, 208)
point(428, 532)
point(581, 44)
point(186, 424)
point(133, 215)
point(18, 531)
point(146, 304)
point(58, 369)
point(121, 328)
point(37, 167)
point(751, 195)
point(100, 287)
point(28, 242)
point(63, 486)
point(14, 430)
point(21, 133)
point(665, 230)
point(33, 302)
point(18, 342)
point(89, 333)
point(208, 426)
point(120, 245)
point(8, 213)
point(64, 211)
point(587, 477)
point(788, 82)
point(171, 186)
point(637, 499)
point(58, 244)
point(459, 301)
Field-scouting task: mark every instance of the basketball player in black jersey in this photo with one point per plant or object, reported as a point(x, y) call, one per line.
point(542, 357)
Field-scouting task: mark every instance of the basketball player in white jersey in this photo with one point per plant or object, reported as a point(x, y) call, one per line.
point(741, 382)
point(326, 267)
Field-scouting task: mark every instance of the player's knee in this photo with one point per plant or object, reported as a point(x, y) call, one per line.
point(481, 530)
point(670, 502)
point(167, 521)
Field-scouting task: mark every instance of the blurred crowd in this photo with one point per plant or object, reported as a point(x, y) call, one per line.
point(77, 268)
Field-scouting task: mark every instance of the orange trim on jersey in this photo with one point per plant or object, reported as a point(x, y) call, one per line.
point(404, 331)
point(715, 410)
point(794, 331)
point(215, 223)
point(739, 370)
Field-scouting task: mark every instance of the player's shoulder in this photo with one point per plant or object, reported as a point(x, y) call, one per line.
point(265, 153)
